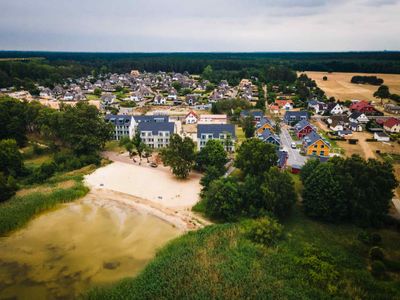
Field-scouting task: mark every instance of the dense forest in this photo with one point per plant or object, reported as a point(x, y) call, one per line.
point(49, 68)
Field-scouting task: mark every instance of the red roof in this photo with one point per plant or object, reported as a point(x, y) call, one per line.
point(360, 105)
point(391, 122)
point(192, 113)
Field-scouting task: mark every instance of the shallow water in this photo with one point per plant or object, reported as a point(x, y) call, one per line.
point(64, 252)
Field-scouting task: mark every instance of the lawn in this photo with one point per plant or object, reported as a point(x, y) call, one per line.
point(239, 134)
point(314, 261)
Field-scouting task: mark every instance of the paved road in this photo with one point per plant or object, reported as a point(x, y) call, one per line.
point(295, 158)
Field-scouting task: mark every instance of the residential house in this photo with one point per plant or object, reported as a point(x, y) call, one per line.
point(315, 145)
point(282, 159)
point(392, 109)
point(256, 114)
point(303, 128)
point(392, 125)
point(222, 132)
point(284, 104)
point(274, 109)
point(338, 122)
point(358, 117)
point(363, 107)
point(192, 99)
point(191, 118)
point(159, 100)
point(334, 108)
point(293, 117)
point(264, 124)
point(381, 137)
point(156, 134)
point(317, 106)
point(269, 137)
point(108, 99)
point(172, 94)
point(123, 125)
point(213, 119)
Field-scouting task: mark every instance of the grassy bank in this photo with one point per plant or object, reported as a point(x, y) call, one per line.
point(314, 261)
point(34, 199)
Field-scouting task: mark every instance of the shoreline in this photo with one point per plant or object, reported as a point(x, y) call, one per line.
point(185, 220)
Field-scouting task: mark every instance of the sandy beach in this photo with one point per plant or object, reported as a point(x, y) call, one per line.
point(149, 190)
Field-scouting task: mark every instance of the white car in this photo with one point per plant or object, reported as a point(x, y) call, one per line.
point(293, 145)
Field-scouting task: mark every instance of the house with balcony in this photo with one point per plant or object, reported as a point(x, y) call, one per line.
point(222, 132)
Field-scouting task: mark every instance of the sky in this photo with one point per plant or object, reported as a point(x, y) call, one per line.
point(199, 25)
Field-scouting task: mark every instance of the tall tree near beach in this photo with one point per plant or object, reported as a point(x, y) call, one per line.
point(254, 157)
point(179, 155)
point(212, 155)
point(382, 93)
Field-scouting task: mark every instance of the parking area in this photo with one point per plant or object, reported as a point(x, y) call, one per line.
point(295, 158)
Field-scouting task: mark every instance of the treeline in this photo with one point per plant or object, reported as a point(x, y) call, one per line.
point(229, 66)
point(373, 80)
point(74, 134)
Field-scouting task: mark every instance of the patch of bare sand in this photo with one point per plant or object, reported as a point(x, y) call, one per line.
point(151, 190)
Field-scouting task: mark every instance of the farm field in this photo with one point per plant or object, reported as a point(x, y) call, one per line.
point(339, 86)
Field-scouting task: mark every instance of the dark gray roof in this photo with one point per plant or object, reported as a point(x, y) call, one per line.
point(156, 127)
point(119, 120)
point(155, 118)
point(216, 129)
point(312, 137)
point(254, 113)
point(295, 115)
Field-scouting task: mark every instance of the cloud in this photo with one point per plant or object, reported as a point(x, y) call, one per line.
point(207, 25)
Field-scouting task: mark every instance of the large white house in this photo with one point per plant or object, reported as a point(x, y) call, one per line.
point(222, 132)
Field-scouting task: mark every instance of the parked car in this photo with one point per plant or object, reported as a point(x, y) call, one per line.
point(153, 165)
point(293, 145)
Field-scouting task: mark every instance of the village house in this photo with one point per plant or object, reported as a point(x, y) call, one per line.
point(392, 125)
point(123, 126)
point(284, 104)
point(293, 117)
point(303, 128)
point(213, 119)
point(381, 137)
point(338, 122)
point(363, 107)
point(274, 109)
point(191, 118)
point(269, 137)
point(222, 132)
point(264, 124)
point(392, 109)
point(156, 134)
point(256, 114)
point(159, 100)
point(358, 117)
point(315, 145)
point(334, 108)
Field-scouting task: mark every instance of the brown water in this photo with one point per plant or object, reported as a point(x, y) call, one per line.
point(64, 252)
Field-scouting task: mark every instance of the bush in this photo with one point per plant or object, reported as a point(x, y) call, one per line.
point(265, 231)
point(8, 187)
point(376, 239)
point(376, 253)
point(378, 269)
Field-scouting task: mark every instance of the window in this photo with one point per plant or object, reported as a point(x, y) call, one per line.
point(315, 146)
point(314, 152)
point(322, 146)
point(322, 153)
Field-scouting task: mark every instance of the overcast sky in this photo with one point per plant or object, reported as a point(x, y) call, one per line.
point(199, 25)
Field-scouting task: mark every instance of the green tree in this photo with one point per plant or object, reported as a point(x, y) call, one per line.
point(207, 73)
point(212, 154)
point(83, 128)
point(222, 200)
point(212, 173)
point(254, 157)
point(382, 93)
point(248, 126)
point(8, 187)
point(278, 193)
point(323, 195)
point(10, 158)
point(97, 92)
point(13, 120)
point(308, 169)
point(177, 85)
point(179, 155)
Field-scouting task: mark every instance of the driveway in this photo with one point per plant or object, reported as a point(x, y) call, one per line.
point(295, 158)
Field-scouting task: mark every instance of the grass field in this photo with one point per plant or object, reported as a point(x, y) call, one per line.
point(314, 261)
point(339, 86)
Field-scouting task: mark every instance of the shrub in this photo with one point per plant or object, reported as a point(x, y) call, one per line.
point(378, 269)
point(376, 253)
point(376, 239)
point(8, 187)
point(265, 231)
